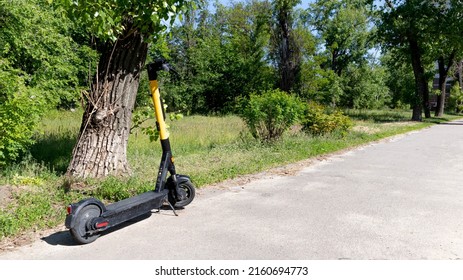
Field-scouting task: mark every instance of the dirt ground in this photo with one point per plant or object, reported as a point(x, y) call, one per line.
point(5, 196)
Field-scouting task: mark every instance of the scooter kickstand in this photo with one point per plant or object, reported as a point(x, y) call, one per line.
point(172, 207)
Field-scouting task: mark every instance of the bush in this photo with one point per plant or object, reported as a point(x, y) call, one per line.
point(50, 50)
point(20, 109)
point(318, 121)
point(270, 114)
point(456, 99)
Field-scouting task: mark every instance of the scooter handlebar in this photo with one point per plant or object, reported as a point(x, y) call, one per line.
point(160, 64)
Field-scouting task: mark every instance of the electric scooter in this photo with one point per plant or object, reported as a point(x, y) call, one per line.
point(88, 218)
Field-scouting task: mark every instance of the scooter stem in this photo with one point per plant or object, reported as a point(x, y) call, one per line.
point(167, 161)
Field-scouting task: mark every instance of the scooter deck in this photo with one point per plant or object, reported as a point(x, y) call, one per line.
point(133, 207)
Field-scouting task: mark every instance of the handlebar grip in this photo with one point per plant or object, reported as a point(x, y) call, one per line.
point(159, 65)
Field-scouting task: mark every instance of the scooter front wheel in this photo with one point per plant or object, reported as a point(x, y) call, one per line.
point(188, 190)
point(80, 232)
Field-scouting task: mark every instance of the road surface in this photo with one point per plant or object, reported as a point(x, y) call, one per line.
point(399, 199)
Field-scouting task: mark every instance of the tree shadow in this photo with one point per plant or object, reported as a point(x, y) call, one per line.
point(457, 122)
point(379, 117)
point(437, 120)
point(54, 150)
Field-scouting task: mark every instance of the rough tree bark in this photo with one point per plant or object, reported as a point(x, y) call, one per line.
point(101, 147)
point(287, 67)
point(421, 83)
point(443, 74)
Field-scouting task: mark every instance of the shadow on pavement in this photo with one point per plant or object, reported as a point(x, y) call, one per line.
point(64, 238)
point(458, 122)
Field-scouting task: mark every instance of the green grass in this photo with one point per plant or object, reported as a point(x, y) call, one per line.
point(209, 149)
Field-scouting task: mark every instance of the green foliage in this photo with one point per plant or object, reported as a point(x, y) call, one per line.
point(38, 41)
point(144, 114)
point(345, 76)
point(108, 19)
point(421, 32)
point(343, 27)
point(220, 56)
point(20, 109)
point(399, 79)
point(330, 88)
point(318, 121)
point(41, 67)
point(315, 81)
point(270, 114)
point(365, 87)
point(140, 116)
point(456, 99)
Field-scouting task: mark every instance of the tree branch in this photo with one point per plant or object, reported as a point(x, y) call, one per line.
point(389, 4)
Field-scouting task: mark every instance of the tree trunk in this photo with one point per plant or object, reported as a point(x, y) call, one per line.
point(101, 148)
point(460, 72)
point(421, 84)
point(442, 82)
point(286, 65)
point(443, 74)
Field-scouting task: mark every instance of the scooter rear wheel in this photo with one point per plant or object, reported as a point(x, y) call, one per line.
point(80, 232)
point(189, 191)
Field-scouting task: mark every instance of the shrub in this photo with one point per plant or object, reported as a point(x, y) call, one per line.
point(270, 114)
point(20, 109)
point(456, 99)
point(318, 121)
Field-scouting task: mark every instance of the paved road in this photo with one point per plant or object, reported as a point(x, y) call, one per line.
point(398, 199)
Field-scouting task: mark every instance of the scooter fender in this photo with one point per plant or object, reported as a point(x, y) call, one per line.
point(183, 178)
point(76, 207)
point(180, 179)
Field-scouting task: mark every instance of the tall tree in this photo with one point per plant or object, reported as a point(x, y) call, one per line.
point(443, 66)
point(123, 29)
point(287, 51)
point(346, 35)
point(404, 25)
point(447, 42)
point(343, 27)
point(221, 56)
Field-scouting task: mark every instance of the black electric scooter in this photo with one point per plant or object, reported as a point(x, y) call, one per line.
point(89, 217)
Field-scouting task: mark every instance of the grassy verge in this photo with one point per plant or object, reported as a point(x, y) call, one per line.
point(34, 193)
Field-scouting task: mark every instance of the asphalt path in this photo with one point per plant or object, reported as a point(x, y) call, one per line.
point(399, 199)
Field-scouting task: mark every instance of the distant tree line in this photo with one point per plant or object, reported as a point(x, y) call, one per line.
point(342, 53)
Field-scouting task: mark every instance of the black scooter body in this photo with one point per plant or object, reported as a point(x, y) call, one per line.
point(118, 212)
point(87, 218)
